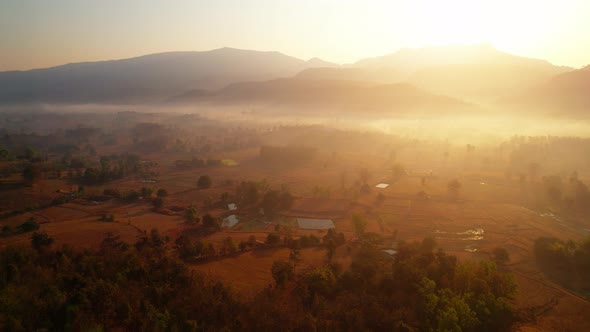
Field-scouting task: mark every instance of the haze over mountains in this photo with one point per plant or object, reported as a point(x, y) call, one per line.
point(477, 73)
point(568, 92)
point(438, 77)
point(344, 95)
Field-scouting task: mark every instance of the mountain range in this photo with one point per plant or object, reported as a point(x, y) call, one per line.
point(146, 78)
point(438, 77)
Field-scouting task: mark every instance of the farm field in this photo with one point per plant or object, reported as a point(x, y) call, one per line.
point(490, 210)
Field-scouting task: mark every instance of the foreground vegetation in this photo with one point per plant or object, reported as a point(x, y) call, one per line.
point(145, 287)
point(566, 262)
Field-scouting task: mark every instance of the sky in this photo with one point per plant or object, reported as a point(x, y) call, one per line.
point(36, 34)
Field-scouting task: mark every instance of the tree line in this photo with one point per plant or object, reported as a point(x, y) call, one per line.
point(143, 286)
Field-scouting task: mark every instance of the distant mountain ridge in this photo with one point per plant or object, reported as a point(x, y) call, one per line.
point(412, 59)
point(476, 74)
point(146, 78)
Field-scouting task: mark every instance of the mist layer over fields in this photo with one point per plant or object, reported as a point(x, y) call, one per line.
point(488, 126)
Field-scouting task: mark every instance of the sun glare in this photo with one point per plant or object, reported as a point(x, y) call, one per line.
point(506, 24)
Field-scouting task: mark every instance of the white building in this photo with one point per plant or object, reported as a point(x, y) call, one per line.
point(230, 221)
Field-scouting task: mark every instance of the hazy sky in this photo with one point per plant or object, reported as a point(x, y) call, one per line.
point(44, 33)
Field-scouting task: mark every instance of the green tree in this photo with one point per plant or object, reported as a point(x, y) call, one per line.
point(29, 225)
point(4, 153)
point(500, 255)
point(229, 246)
point(190, 215)
point(146, 192)
point(40, 241)
point(30, 153)
point(295, 257)
point(282, 272)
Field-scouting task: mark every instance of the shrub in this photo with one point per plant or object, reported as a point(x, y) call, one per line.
point(29, 225)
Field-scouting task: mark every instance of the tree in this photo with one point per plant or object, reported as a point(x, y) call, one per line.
point(252, 241)
point(534, 170)
point(146, 192)
point(31, 172)
point(364, 175)
point(272, 239)
point(107, 217)
point(162, 192)
point(132, 196)
point(554, 194)
point(248, 192)
point(582, 195)
point(454, 187)
point(500, 255)
point(270, 202)
point(204, 182)
point(4, 153)
point(186, 248)
point(29, 225)
point(40, 240)
point(320, 280)
point(295, 257)
point(243, 245)
point(30, 153)
point(428, 244)
point(282, 272)
point(359, 223)
point(285, 200)
point(331, 245)
point(229, 246)
point(158, 202)
point(190, 215)
point(210, 222)
point(398, 171)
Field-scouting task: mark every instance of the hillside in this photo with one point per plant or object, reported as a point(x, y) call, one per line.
point(326, 93)
point(482, 82)
point(381, 75)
